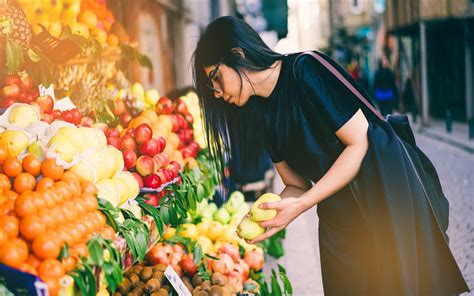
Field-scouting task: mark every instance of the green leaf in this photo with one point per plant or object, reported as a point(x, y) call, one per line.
point(286, 283)
point(264, 290)
point(14, 56)
point(276, 289)
point(127, 52)
point(197, 254)
point(144, 61)
point(96, 252)
point(210, 256)
point(281, 269)
point(64, 252)
point(242, 251)
point(275, 248)
point(33, 56)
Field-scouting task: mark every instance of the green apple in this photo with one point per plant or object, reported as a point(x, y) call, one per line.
point(258, 214)
point(249, 229)
point(222, 216)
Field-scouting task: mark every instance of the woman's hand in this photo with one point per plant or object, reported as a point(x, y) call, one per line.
point(287, 210)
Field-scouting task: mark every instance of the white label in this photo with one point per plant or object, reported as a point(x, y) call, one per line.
point(47, 91)
point(64, 104)
point(176, 282)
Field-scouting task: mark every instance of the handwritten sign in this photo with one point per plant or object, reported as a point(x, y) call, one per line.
point(176, 282)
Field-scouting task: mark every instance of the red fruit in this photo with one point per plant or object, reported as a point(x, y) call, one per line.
point(175, 164)
point(157, 256)
point(165, 159)
point(76, 116)
point(128, 143)
point(152, 181)
point(162, 143)
point(11, 91)
point(164, 106)
point(181, 107)
point(67, 116)
point(139, 179)
point(12, 79)
point(230, 250)
point(87, 121)
point(145, 165)
point(143, 133)
point(224, 265)
point(181, 121)
point(48, 118)
point(125, 118)
point(187, 152)
point(46, 103)
point(175, 122)
point(242, 268)
point(131, 132)
point(119, 107)
point(151, 199)
point(56, 113)
point(114, 141)
point(26, 83)
point(187, 264)
point(130, 158)
point(178, 248)
point(189, 118)
point(7, 102)
point(254, 260)
point(162, 176)
point(113, 132)
point(150, 148)
point(158, 163)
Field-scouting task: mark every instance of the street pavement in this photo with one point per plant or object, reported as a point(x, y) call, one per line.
point(456, 170)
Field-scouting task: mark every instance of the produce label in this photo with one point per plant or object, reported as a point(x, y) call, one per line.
point(176, 282)
point(43, 91)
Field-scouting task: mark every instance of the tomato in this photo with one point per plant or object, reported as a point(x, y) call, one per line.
point(12, 167)
point(46, 247)
point(24, 182)
point(9, 224)
point(31, 227)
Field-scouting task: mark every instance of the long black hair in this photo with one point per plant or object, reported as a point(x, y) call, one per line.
point(234, 134)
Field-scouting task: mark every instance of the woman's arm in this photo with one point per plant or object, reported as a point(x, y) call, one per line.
point(354, 135)
point(295, 184)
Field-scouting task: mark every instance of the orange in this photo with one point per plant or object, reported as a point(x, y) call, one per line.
point(10, 194)
point(9, 224)
point(7, 207)
point(33, 261)
point(53, 285)
point(74, 183)
point(69, 263)
point(47, 218)
point(101, 218)
point(58, 215)
point(63, 234)
point(69, 211)
point(5, 183)
point(14, 253)
point(112, 40)
point(90, 202)
point(107, 232)
point(46, 247)
point(63, 189)
point(51, 268)
point(44, 183)
point(88, 18)
point(79, 250)
point(88, 187)
point(31, 227)
point(3, 153)
point(80, 206)
point(48, 198)
point(12, 167)
point(24, 182)
point(32, 165)
point(38, 200)
point(74, 233)
point(28, 268)
point(25, 204)
point(50, 169)
point(3, 237)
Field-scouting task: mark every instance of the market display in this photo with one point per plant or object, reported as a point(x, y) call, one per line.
point(106, 186)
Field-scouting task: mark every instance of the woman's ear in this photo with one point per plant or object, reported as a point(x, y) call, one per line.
point(238, 52)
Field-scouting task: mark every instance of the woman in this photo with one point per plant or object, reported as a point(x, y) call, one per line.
point(377, 233)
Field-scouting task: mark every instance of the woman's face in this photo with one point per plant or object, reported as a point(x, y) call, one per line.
point(228, 85)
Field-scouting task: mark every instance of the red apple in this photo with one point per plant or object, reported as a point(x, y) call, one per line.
point(67, 116)
point(87, 121)
point(181, 121)
point(187, 264)
point(119, 107)
point(157, 256)
point(162, 176)
point(150, 148)
point(139, 179)
point(145, 165)
point(11, 91)
point(113, 132)
point(125, 118)
point(164, 106)
point(189, 118)
point(48, 118)
point(26, 83)
point(174, 122)
point(162, 142)
point(143, 133)
point(157, 161)
point(46, 103)
point(130, 158)
point(152, 181)
point(130, 132)
point(151, 199)
point(128, 142)
point(114, 141)
point(57, 114)
point(165, 159)
point(76, 116)
point(12, 79)
point(175, 164)
point(187, 152)
point(181, 107)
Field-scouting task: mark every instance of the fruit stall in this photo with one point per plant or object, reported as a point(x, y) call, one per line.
point(106, 188)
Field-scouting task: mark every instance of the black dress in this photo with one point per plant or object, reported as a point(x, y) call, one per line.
point(378, 236)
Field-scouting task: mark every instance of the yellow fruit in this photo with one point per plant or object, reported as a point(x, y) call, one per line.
point(165, 120)
point(205, 243)
point(22, 115)
point(215, 230)
point(84, 171)
point(258, 214)
point(75, 136)
point(113, 40)
point(188, 230)
point(80, 29)
point(151, 97)
point(131, 183)
point(122, 188)
point(63, 147)
point(55, 29)
point(108, 192)
point(99, 35)
point(117, 157)
point(67, 17)
point(170, 232)
point(88, 18)
point(249, 229)
point(138, 91)
point(203, 226)
point(15, 141)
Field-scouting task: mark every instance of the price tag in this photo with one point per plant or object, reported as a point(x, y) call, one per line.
point(64, 104)
point(43, 91)
point(176, 282)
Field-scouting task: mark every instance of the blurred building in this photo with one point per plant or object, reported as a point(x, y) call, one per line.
point(434, 43)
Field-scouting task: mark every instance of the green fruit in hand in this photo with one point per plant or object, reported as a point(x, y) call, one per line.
point(249, 229)
point(258, 214)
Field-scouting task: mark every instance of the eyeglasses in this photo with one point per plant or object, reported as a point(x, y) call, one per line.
point(215, 80)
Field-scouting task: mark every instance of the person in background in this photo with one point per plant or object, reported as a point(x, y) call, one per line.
point(408, 98)
point(385, 90)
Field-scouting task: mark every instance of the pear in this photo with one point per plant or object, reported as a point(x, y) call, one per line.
point(108, 192)
point(63, 147)
point(122, 188)
point(151, 97)
point(22, 115)
point(258, 214)
point(249, 229)
point(84, 171)
point(15, 141)
point(132, 183)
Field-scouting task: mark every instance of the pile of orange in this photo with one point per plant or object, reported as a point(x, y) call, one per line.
point(41, 209)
